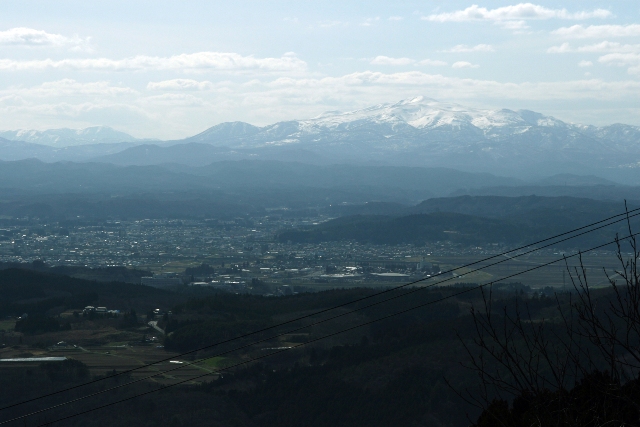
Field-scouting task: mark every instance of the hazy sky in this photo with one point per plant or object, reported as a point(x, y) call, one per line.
point(170, 69)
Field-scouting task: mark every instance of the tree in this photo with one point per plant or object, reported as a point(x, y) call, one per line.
point(130, 319)
point(579, 367)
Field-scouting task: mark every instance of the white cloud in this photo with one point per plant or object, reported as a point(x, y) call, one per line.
point(64, 114)
point(598, 31)
point(620, 59)
point(331, 24)
point(630, 60)
point(462, 48)
point(395, 18)
point(615, 54)
point(22, 36)
point(54, 103)
point(180, 84)
point(70, 87)
point(175, 100)
point(12, 101)
point(513, 25)
point(601, 47)
point(609, 47)
point(194, 61)
point(563, 48)
point(385, 60)
point(262, 101)
point(464, 64)
point(364, 88)
point(518, 12)
point(432, 63)
point(360, 87)
point(369, 21)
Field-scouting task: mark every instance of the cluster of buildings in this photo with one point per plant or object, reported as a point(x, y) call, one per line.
point(236, 252)
point(90, 311)
point(150, 244)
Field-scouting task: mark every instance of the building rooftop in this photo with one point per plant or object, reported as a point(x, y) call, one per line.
point(35, 359)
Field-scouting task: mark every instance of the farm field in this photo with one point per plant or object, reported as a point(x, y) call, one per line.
point(554, 275)
point(109, 359)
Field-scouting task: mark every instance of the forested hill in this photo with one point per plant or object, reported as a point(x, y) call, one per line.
point(522, 206)
point(500, 220)
point(521, 209)
point(40, 293)
point(409, 229)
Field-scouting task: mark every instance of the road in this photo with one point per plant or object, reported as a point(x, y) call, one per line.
point(154, 325)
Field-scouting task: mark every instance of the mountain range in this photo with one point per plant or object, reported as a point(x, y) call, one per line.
point(414, 132)
point(69, 137)
point(468, 220)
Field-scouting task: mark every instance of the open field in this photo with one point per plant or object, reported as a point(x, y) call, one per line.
point(104, 349)
point(214, 362)
point(7, 324)
point(174, 265)
point(554, 275)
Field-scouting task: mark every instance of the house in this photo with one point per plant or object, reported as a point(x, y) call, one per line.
point(99, 311)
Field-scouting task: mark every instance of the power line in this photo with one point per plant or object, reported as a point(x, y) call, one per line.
point(295, 330)
point(564, 258)
point(625, 216)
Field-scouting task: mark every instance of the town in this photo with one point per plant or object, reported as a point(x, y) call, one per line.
point(237, 254)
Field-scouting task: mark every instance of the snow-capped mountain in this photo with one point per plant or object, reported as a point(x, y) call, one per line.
point(421, 122)
point(68, 137)
point(423, 131)
point(414, 132)
point(425, 113)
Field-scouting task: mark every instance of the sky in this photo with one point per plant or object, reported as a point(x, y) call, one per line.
point(171, 69)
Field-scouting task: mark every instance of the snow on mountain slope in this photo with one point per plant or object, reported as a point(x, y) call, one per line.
point(413, 132)
point(427, 113)
point(425, 132)
point(412, 122)
point(68, 137)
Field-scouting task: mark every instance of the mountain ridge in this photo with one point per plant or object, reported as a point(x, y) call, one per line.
point(65, 137)
point(415, 132)
point(425, 132)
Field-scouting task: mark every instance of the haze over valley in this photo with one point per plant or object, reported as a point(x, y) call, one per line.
point(293, 218)
point(417, 132)
point(323, 214)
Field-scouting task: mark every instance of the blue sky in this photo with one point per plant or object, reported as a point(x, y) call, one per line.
point(169, 69)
